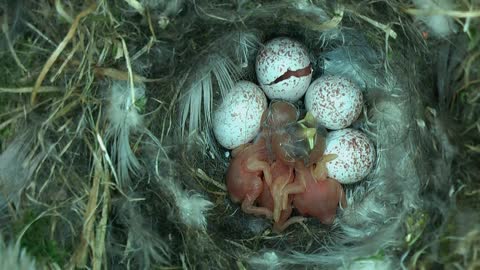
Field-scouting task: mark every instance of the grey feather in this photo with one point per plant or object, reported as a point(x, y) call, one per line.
point(124, 120)
point(13, 257)
point(18, 163)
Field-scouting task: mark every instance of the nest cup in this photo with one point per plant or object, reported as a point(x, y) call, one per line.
point(385, 63)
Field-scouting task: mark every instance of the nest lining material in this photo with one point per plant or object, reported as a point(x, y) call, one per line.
point(377, 206)
point(120, 168)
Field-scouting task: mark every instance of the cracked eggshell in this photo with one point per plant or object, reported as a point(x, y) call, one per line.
point(355, 155)
point(334, 101)
point(284, 69)
point(237, 120)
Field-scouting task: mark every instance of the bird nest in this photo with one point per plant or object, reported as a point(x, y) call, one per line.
point(108, 158)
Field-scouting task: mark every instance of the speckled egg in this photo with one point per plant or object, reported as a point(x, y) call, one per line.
point(284, 69)
point(334, 101)
point(237, 119)
point(355, 155)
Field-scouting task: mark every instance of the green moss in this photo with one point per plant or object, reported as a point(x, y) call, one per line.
point(4, 134)
point(415, 225)
point(37, 239)
point(378, 256)
point(140, 104)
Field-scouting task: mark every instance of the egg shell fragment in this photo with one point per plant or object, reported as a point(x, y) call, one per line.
point(237, 120)
point(355, 155)
point(284, 69)
point(334, 101)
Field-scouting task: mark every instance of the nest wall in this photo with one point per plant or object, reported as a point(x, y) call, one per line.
point(108, 159)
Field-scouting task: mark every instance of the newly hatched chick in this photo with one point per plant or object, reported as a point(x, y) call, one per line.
point(321, 196)
point(284, 164)
point(246, 174)
point(298, 146)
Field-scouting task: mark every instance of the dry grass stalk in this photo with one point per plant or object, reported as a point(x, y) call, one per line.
point(451, 13)
point(62, 12)
point(202, 175)
point(23, 90)
point(59, 50)
point(120, 75)
point(10, 47)
point(314, 25)
point(129, 68)
point(87, 237)
point(99, 247)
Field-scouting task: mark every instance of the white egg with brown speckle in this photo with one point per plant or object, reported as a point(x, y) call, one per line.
point(334, 101)
point(355, 155)
point(237, 120)
point(284, 69)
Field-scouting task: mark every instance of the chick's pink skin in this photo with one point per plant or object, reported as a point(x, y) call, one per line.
point(275, 118)
point(321, 196)
point(263, 173)
point(252, 162)
point(244, 177)
point(282, 176)
point(278, 195)
point(266, 200)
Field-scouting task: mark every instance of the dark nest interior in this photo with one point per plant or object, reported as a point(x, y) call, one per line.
point(108, 160)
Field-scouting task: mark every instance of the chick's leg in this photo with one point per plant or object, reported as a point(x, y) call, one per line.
point(290, 189)
point(320, 171)
point(253, 164)
point(279, 227)
point(249, 200)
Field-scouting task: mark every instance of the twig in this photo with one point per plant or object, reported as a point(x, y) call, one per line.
point(59, 50)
